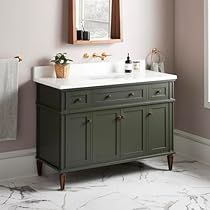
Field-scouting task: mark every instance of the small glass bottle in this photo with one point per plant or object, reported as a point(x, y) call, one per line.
point(128, 65)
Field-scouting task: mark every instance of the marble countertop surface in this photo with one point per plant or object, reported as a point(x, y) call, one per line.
point(86, 81)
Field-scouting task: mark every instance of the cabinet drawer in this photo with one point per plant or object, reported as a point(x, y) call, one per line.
point(159, 91)
point(76, 99)
point(119, 95)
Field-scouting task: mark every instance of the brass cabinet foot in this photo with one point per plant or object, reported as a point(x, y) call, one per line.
point(39, 164)
point(62, 181)
point(170, 161)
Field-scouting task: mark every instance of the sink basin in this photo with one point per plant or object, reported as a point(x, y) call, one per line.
point(110, 76)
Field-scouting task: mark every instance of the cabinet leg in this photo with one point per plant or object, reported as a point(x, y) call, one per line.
point(39, 164)
point(170, 161)
point(62, 181)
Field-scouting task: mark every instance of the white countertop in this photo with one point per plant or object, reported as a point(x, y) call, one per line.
point(74, 82)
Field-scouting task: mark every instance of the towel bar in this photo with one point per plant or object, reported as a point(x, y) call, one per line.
point(19, 58)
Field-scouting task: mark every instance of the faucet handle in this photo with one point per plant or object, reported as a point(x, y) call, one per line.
point(86, 55)
point(104, 54)
point(95, 55)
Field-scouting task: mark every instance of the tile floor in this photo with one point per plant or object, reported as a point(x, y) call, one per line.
point(144, 185)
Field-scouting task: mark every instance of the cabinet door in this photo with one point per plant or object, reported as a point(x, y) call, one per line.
point(158, 129)
point(105, 138)
point(133, 132)
point(78, 131)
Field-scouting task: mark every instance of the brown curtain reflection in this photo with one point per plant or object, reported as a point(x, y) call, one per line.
point(115, 20)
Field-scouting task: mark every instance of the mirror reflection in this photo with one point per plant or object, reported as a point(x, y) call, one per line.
point(93, 19)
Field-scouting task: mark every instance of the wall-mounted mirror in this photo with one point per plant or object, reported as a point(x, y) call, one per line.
point(94, 21)
point(94, 16)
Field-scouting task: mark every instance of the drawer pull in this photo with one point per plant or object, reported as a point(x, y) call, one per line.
point(131, 94)
point(108, 96)
point(77, 100)
point(158, 92)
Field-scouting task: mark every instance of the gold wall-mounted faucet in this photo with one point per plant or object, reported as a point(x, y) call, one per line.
point(95, 55)
point(102, 56)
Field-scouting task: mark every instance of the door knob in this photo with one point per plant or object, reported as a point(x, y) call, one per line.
point(119, 118)
point(122, 117)
point(89, 121)
point(149, 114)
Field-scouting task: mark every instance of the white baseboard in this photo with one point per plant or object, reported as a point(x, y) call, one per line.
point(22, 163)
point(192, 146)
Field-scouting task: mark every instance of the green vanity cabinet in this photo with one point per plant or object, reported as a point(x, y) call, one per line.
point(98, 126)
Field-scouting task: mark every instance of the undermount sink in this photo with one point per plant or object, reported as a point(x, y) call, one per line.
point(110, 76)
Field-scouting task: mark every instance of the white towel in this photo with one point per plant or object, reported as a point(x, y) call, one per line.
point(8, 99)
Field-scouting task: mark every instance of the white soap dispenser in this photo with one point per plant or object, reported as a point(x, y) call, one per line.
point(128, 65)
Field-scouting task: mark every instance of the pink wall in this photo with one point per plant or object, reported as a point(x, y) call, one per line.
point(38, 29)
point(191, 116)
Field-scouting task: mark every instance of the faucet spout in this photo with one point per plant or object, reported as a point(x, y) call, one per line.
point(98, 56)
point(102, 56)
